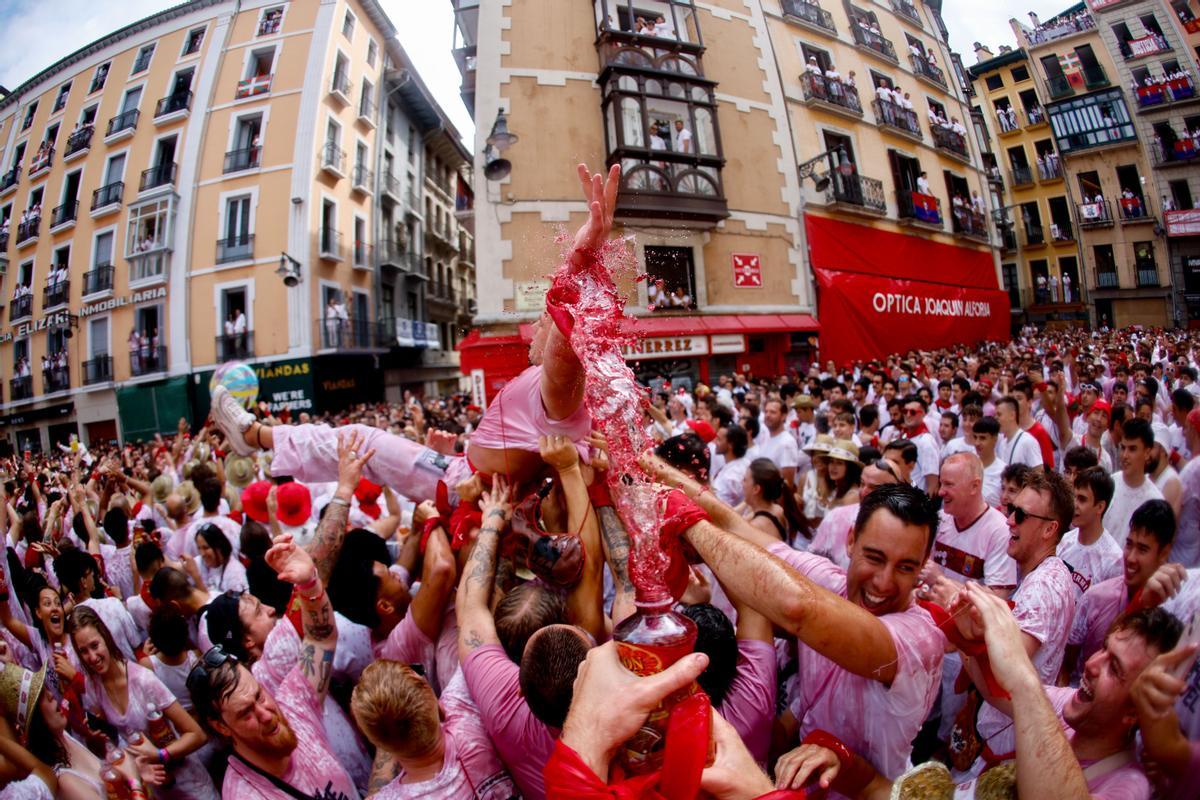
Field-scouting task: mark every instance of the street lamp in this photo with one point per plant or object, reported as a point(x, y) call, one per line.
point(289, 270)
point(495, 166)
point(808, 169)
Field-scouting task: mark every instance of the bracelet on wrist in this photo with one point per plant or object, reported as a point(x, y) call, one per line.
point(308, 586)
point(163, 755)
point(335, 500)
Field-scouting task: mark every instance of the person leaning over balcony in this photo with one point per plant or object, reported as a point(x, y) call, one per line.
point(833, 81)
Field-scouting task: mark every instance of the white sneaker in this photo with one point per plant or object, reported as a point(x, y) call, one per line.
point(232, 419)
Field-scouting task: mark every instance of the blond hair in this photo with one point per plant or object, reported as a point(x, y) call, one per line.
point(396, 709)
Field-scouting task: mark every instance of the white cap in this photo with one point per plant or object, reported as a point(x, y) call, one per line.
point(1162, 435)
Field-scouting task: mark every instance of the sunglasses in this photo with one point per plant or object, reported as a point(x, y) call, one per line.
point(211, 661)
point(912, 412)
point(1019, 515)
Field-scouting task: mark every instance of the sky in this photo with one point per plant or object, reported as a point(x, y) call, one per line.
point(36, 33)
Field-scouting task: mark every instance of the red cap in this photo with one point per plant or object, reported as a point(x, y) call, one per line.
point(475, 408)
point(295, 503)
point(1101, 405)
point(367, 492)
point(702, 429)
point(254, 500)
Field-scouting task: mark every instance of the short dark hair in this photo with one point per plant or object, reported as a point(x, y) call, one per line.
point(524, 611)
point(210, 688)
point(211, 490)
point(916, 398)
point(72, 566)
point(548, 668)
point(688, 453)
point(950, 415)
point(868, 415)
point(1138, 428)
point(170, 584)
point(907, 503)
point(353, 585)
point(715, 638)
point(116, 525)
point(1099, 481)
point(987, 426)
point(906, 449)
point(1010, 401)
point(1183, 399)
point(1016, 473)
point(145, 554)
point(1159, 629)
point(169, 630)
point(1080, 457)
point(738, 439)
point(1062, 496)
point(751, 425)
point(1155, 517)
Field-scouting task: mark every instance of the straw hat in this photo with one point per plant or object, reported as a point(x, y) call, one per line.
point(162, 486)
point(844, 450)
point(189, 468)
point(201, 452)
point(803, 401)
point(265, 457)
point(239, 471)
point(19, 692)
point(191, 497)
point(821, 444)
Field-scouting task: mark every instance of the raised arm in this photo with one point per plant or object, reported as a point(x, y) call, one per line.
point(438, 572)
point(295, 566)
point(476, 626)
point(327, 541)
point(585, 601)
point(79, 502)
point(9, 620)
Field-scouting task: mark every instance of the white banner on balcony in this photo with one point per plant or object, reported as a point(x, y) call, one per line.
point(432, 340)
point(405, 336)
point(1092, 211)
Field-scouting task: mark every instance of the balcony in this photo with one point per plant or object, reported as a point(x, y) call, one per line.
point(1050, 169)
point(1062, 232)
point(1107, 279)
point(391, 188)
point(1134, 210)
point(926, 71)
point(98, 280)
point(1035, 116)
point(22, 388)
point(235, 248)
point(1175, 92)
point(3, 247)
point(347, 334)
point(78, 142)
point(920, 209)
point(235, 347)
point(1035, 236)
point(122, 125)
point(99, 369)
point(56, 294)
point(173, 107)
point(42, 160)
point(8, 181)
point(1008, 239)
point(253, 87)
point(950, 141)
point(64, 216)
point(21, 308)
point(856, 193)
point(390, 253)
point(1059, 86)
point(241, 160)
point(621, 49)
point(362, 179)
point(669, 185)
point(107, 197)
point(969, 223)
point(56, 379)
point(810, 15)
point(340, 87)
point(1058, 28)
point(831, 95)
point(898, 119)
point(333, 160)
point(1094, 77)
point(157, 176)
point(147, 360)
point(366, 112)
point(27, 231)
point(1174, 154)
point(1094, 215)
point(1021, 176)
point(994, 176)
point(148, 267)
point(1143, 46)
point(873, 42)
point(1147, 275)
point(329, 245)
point(361, 253)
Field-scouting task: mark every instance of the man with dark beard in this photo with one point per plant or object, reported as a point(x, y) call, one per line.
point(280, 750)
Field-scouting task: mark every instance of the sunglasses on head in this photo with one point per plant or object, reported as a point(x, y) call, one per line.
point(1019, 514)
point(214, 659)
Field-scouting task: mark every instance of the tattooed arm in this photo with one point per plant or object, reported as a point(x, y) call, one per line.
point(383, 772)
point(295, 565)
point(476, 627)
point(616, 552)
point(327, 541)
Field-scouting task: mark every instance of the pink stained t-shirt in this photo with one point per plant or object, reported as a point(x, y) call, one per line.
point(831, 535)
point(1090, 563)
point(523, 741)
point(408, 644)
point(877, 721)
point(1096, 610)
point(749, 705)
point(516, 418)
point(978, 552)
point(313, 767)
point(1044, 606)
point(1127, 782)
point(471, 768)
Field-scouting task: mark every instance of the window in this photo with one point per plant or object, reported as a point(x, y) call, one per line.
point(247, 148)
point(98, 78)
point(131, 99)
point(182, 85)
point(372, 53)
point(98, 337)
point(142, 62)
point(191, 45)
point(256, 78)
point(412, 146)
point(360, 242)
point(51, 134)
point(1095, 120)
point(149, 227)
point(102, 250)
point(1031, 216)
point(1020, 73)
point(60, 102)
point(994, 81)
point(341, 75)
point(238, 241)
point(271, 22)
point(671, 278)
point(366, 106)
point(29, 112)
point(1181, 195)
point(348, 26)
point(88, 117)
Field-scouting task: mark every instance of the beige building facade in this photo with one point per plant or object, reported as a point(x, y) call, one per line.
point(196, 187)
point(745, 170)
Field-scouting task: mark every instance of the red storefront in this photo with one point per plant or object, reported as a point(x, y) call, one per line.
point(699, 347)
point(880, 292)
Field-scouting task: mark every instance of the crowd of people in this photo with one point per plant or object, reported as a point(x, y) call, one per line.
point(936, 574)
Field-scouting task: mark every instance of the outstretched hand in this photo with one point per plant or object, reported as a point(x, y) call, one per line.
point(350, 461)
point(496, 505)
point(293, 563)
point(600, 192)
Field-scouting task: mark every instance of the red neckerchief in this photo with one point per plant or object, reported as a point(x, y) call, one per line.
point(944, 405)
point(914, 434)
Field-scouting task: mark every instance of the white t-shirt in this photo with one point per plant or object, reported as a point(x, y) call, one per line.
point(1126, 500)
point(1089, 564)
point(976, 553)
point(727, 486)
point(992, 484)
point(683, 140)
point(1021, 449)
point(1186, 549)
point(928, 459)
point(780, 448)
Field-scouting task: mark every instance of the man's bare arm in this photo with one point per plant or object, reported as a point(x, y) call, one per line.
point(476, 626)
